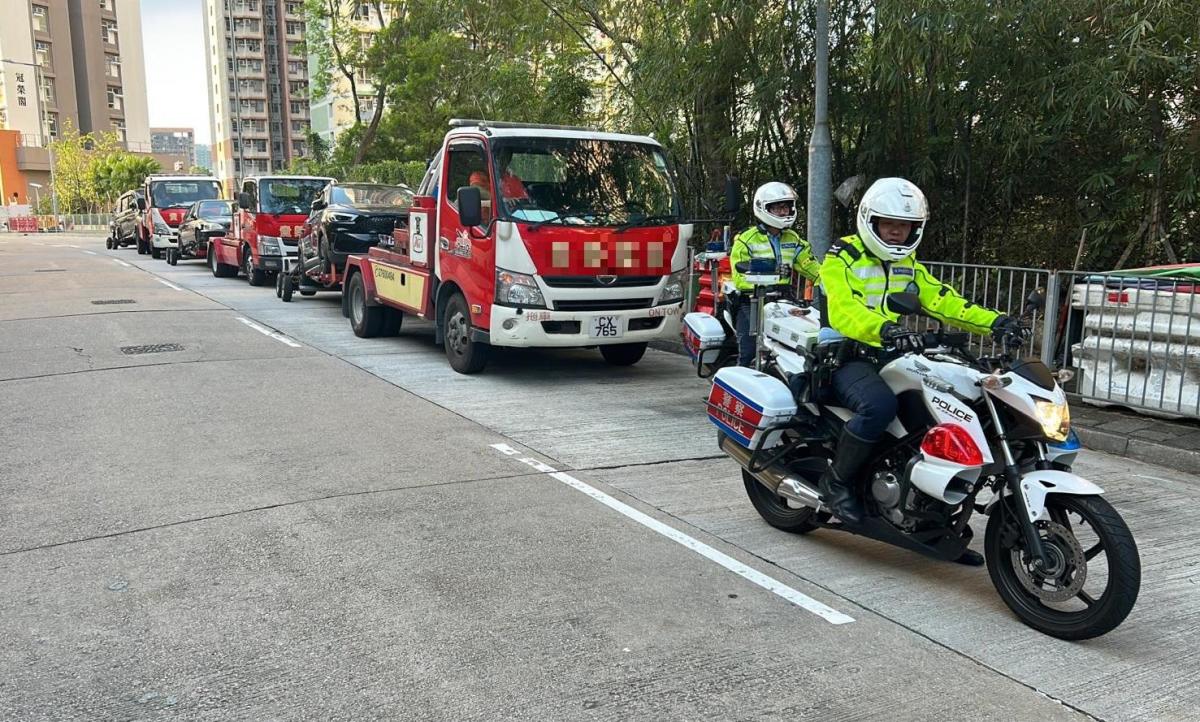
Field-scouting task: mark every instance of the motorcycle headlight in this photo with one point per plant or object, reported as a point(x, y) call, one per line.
point(1054, 418)
point(673, 291)
point(269, 245)
point(518, 289)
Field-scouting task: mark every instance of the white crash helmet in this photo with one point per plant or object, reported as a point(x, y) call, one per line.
point(897, 199)
point(774, 192)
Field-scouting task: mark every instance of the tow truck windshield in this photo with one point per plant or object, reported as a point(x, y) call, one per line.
point(584, 182)
point(289, 195)
point(183, 193)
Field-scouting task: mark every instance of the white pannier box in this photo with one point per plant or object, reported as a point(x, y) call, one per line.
point(703, 336)
point(744, 402)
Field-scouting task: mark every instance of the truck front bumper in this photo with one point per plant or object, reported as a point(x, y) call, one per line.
point(539, 328)
point(165, 241)
point(276, 263)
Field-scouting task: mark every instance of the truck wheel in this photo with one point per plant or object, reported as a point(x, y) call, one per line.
point(220, 270)
point(286, 288)
point(155, 253)
point(279, 285)
point(466, 355)
point(367, 321)
point(623, 354)
point(392, 320)
point(172, 257)
point(254, 276)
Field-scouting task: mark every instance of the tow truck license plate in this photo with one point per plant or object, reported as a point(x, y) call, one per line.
point(605, 327)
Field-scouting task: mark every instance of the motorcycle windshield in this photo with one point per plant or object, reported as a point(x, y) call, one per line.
point(583, 182)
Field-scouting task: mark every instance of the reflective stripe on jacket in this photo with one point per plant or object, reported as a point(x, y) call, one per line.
point(856, 285)
point(794, 254)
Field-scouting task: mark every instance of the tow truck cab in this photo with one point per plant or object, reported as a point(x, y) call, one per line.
point(574, 238)
point(268, 224)
point(167, 199)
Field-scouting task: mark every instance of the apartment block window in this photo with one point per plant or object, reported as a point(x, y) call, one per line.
point(48, 90)
point(297, 107)
point(114, 98)
point(233, 126)
point(364, 11)
point(40, 23)
point(113, 65)
point(108, 29)
point(52, 125)
point(294, 27)
point(41, 52)
point(106, 5)
point(119, 129)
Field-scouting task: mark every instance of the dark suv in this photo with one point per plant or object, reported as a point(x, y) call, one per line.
point(351, 218)
point(123, 228)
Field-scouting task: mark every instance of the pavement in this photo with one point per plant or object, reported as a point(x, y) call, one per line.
point(214, 505)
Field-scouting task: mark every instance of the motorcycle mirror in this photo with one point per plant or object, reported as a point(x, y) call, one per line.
point(470, 206)
point(905, 304)
point(733, 196)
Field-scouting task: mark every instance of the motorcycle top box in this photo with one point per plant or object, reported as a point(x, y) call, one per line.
point(743, 403)
point(703, 336)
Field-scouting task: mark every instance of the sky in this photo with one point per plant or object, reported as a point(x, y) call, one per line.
point(176, 78)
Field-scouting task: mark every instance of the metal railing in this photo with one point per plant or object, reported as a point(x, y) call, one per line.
point(1133, 341)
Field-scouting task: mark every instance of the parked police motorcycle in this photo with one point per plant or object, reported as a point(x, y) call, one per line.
point(988, 435)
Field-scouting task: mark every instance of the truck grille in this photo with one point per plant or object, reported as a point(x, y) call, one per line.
point(594, 282)
point(615, 304)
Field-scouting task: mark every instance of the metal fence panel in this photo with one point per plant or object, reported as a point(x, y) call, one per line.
point(1133, 341)
point(1017, 292)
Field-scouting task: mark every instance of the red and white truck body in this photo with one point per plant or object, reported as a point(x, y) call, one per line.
point(167, 199)
point(268, 224)
point(583, 245)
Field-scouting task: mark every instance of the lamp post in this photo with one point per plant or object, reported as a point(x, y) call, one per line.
point(42, 116)
point(820, 146)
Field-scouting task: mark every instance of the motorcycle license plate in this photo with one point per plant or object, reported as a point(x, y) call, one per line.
point(605, 327)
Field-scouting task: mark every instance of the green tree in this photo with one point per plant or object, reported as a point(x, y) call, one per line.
point(120, 171)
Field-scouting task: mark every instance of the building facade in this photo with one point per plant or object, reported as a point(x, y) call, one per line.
point(334, 113)
point(70, 61)
point(177, 142)
point(258, 85)
point(204, 155)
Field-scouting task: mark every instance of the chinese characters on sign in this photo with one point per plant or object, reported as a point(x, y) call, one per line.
point(21, 98)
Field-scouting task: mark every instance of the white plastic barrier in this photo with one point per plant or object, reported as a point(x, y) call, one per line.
point(1140, 345)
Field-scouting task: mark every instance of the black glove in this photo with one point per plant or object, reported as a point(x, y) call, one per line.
point(1007, 327)
point(900, 338)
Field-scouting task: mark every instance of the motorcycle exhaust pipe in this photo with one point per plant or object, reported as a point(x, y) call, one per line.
point(774, 477)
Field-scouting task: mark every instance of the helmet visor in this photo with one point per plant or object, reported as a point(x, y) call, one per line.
point(896, 232)
point(782, 209)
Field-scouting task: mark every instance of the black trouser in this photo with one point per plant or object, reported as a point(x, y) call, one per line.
point(741, 320)
point(860, 388)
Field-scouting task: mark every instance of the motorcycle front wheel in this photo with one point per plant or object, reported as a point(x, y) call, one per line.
point(1093, 577)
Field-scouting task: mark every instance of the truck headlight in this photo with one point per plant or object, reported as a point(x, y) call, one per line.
point(673, 291)
point(269, 246)
point(161, 229)
point(1054, 418)
point(518, 289)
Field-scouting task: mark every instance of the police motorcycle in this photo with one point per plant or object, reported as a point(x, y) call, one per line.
point(988, 435)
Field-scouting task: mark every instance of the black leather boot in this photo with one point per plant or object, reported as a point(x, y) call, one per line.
point(837, 484)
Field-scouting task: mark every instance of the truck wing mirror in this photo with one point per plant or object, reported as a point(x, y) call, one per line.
point(141, 204)
point(470, 206)
point(905, 304)
point(733, 196)
point(244, 201)
point(318, 205)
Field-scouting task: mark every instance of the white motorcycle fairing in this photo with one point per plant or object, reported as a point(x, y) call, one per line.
point(1037, 485)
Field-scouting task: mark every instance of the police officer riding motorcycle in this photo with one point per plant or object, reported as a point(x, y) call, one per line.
point(856, 277)
point(772, 237)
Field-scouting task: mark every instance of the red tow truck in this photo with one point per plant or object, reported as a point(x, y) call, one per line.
point(533, 236)
point(266, 227)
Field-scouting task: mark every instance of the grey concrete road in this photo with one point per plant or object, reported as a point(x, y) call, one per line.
point(214, 505)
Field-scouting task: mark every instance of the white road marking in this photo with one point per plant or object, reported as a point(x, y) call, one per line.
point(123, 263)
point(90, 253)
point(70, 245)
point(168, 284)
point(774, 586)
point(268, 332)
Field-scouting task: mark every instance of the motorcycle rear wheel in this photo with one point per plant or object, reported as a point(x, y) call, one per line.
point(778, 511)
point(1086, 538)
